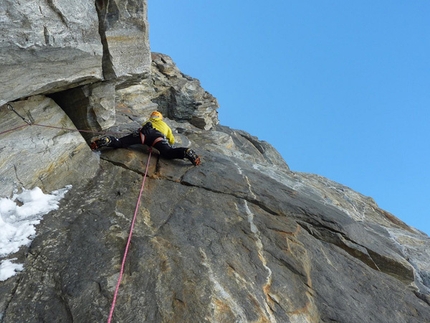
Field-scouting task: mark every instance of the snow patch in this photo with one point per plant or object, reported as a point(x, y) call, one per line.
point(19, 216)
point(9, 269)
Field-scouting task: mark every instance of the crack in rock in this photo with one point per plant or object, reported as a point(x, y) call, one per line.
point(260, 251)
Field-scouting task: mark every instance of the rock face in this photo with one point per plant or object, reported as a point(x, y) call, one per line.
point(45, 154)
point(48, 46)
point(240, 238)
point(124, 34)
point(181, 96)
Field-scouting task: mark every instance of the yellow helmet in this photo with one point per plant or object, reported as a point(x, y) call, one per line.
point(156, 115)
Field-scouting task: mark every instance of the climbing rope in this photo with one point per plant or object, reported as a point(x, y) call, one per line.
point(13, 129)
point(31, 122)
point(121, 273)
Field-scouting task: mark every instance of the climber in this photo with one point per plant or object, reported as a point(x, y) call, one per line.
point(154, 133)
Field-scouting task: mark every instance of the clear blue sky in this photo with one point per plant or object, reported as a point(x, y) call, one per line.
point(339, 88)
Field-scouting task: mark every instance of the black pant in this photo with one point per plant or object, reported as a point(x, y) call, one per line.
point(162, 146)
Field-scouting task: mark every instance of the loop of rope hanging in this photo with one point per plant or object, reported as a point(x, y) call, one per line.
point(121, 273)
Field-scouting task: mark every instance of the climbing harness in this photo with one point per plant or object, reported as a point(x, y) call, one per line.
point(156, 140)
point(121, 273)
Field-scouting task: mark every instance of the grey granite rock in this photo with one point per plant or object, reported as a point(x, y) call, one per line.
point(47, 46)
point(124, 33)
point(49, 154)
point(222, 242)
point(240, 238)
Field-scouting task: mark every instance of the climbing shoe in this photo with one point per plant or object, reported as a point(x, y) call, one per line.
point(192, 157)
point(101, 142)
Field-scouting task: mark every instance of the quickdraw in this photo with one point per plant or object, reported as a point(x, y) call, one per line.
point(29, 122)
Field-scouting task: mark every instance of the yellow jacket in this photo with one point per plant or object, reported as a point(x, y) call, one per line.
point(161, 126)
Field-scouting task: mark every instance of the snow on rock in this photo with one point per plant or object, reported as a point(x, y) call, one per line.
point(18, 217)
point(9, 269)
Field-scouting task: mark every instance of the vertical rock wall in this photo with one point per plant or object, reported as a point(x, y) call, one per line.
point(240, 238)
point(47, 46)
point(124, 34)
point(46, 154)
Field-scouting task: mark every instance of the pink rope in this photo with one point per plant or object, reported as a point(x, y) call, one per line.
point(134, 216)
point(128, 241)
point(13, 129)
point(76, 130)
point(28, 123)
point(61, 128)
